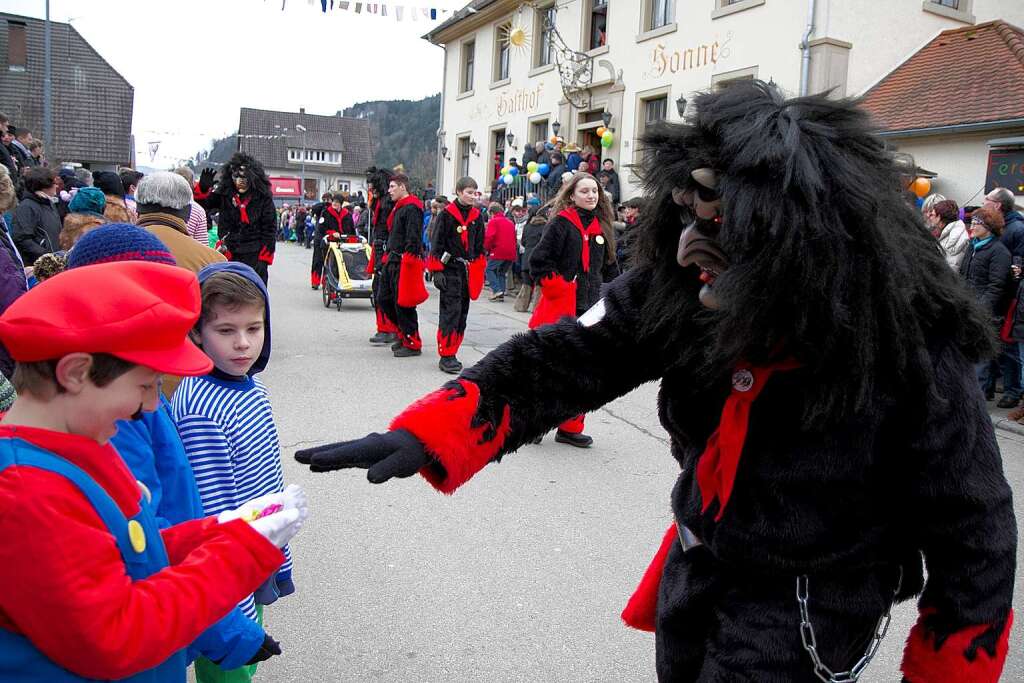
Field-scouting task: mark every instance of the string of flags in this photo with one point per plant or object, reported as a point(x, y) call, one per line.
point(384, 9)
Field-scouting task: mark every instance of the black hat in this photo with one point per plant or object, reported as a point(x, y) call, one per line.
point(109, 182)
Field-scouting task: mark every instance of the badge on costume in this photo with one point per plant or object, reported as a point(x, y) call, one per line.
point(599, 239)
point(136, 536)
point(742, 381)
point(461, 229)
point(321, 220)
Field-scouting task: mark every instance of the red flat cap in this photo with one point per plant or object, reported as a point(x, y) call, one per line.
point(138, 311)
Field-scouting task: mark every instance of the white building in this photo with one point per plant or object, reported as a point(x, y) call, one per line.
point(641, 60)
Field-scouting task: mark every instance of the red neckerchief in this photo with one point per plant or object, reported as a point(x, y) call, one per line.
point(102, 463)
point(243, 207)
point(404, 201)
point(338, 215)
point(716, 469)
point(474, 213)
point(586, 233)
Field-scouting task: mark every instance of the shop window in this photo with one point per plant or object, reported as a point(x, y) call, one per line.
point(726, 7)
point(463, 159)
point(468, 62)
point(501, 53)
point(959, 10)
point(544, 22)
point(596, 29)
point(17, 50)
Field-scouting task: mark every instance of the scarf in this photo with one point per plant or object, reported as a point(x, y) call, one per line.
point(716, 469)
point(474, 213)
point(978, 244)
point(243, 207)
point(404, 201)
point(592, 230)
point(338, 215)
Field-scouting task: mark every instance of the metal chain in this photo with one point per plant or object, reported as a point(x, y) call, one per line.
point(811, 642)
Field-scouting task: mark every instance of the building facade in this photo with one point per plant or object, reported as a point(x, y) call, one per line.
point(92, 103)
point(641, 60)
point(322, 153)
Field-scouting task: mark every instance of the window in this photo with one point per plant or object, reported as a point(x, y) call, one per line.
point(463, 159)
point(655, 111)
point(960, 10)
point(343, 185)
point(498, 151)
point(16, 48)
point(596, 29)
point(501, 52)
point(724, 79)
point(468, 60)
point(660, 14)
point(952, 4)
point(726, 7)
point(538, 131)
point(544, 22)
point(651, 109)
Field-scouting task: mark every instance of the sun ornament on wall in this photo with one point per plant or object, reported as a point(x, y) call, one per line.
point(516, 37)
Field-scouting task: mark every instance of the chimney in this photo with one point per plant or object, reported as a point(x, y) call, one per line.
point(302, 110)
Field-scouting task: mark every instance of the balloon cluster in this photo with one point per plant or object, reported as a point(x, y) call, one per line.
point(536, 173)
point(607, 137)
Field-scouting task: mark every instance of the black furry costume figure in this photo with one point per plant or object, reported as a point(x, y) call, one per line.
point(247, 221)
point(822, 405)
point(402, 289)
point(379, 205)
point(458, 262)
point(335, 224)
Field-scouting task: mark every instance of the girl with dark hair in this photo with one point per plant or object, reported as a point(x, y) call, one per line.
point(949, 230)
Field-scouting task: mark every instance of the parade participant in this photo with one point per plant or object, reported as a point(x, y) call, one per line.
point(90, 344)
point(379, 206)
point(317, 266)
point(402, 288)
point(577, 246)
point(247, 222)
point(335, 223)
point(816, 357)
point(457, 262)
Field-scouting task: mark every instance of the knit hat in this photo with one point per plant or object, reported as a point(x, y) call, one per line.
point(48, 265)
point(88, 200)
point(7, 394)
point(118, 242)
point(533, 201)
point(109, 182)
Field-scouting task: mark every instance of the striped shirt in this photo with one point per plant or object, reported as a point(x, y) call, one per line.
point(196, 224)
point(229, 436)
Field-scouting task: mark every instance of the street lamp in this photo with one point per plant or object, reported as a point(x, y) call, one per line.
point(681, 106)
point(606, 119)
point(302, 192)
point(472, 147)
point(444, 152)
point(510, 138)
point(555, 127)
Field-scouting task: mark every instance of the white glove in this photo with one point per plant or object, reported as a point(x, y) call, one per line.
point(292, 498)
point(280, 527)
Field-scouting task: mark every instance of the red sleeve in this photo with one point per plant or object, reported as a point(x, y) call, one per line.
point(490, 232)
point(181, 539)
point(76, 603)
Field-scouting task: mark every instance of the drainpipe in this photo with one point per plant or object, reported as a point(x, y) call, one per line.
point(805, 49)
point(439, 185)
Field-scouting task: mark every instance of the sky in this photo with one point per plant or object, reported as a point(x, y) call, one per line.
point(194, 63)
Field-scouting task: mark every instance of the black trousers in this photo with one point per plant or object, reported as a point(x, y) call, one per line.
point(453, 311)
point(253, 261)
point(387, 300)
point(317, 266)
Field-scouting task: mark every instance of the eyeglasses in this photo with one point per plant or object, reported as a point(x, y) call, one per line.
point(977, 221)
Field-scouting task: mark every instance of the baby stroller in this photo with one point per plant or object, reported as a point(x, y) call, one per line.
point(345, 264)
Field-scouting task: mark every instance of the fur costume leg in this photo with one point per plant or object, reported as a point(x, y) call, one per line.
point(404, 316)
point(317, 265)
point(573, 426)
point(452, 311)
point(387, 296)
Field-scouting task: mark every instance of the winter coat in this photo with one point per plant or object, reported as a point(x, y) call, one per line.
point(36, 228)
point(987, 270)
point(447, 238)
point(614, 188)
point(954, 242)
point(12, 285)
point(116, 210)
point(1013, 233)
point(555, 178)
point(258, 237)
point(560, 252)
point(572, 162)
point(500, 239)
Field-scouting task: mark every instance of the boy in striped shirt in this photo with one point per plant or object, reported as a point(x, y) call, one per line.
point(226, 422)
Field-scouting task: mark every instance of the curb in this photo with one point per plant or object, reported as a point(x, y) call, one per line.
point(1005, 425)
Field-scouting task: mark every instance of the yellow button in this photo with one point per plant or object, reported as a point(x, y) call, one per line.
point(137, 536)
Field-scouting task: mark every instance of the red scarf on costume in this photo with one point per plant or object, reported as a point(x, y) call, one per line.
point(404, 201)
point(591, 230)
point(716, 469)
point(338, 215)
point(474, 213)
point(243, 207)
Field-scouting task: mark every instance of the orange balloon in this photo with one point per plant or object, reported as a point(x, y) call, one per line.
point(601, 131)
point(554, 139)
point(921, 187)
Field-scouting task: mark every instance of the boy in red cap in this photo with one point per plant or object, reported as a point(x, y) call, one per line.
point(101, 592)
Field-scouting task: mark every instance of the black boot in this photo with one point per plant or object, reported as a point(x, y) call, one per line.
point(396, 345)
point(1007, 402)
point(536, 442)
point(406, 352)
point(450, 364)
point(577, 440)
point(383, 338)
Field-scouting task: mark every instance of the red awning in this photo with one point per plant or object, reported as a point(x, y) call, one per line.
point(285, 187)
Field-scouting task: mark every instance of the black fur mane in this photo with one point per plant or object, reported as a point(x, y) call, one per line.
point(259, 183)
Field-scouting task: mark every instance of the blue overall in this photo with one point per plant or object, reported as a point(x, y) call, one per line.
point(20, 660)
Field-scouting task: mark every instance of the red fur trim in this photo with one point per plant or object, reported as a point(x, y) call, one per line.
point(444, 422)
point(198, 194)
point(557, 300)
point(384, 324)
point(315, 278)
point(573, 426)
point(411, 289)
point(266, 256)
point(411, 341)
point(448, 345)
point(923, 663)
point(434, 264)
point(642, 609)
point(477, 271)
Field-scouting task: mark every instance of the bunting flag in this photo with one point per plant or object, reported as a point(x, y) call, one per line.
point(380, 9)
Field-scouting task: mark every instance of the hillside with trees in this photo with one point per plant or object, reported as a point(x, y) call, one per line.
point(403, 132)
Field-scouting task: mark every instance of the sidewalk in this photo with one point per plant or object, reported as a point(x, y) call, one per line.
point(999, 420)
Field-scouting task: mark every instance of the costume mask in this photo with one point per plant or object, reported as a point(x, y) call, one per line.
point(241, 179)
point(698, 244)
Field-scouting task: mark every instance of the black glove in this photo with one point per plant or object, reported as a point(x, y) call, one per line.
point(440, 280)
point(392, 454)
point(206, 179)
point(268, 649)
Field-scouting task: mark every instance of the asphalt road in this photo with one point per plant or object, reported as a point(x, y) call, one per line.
point(522, 574)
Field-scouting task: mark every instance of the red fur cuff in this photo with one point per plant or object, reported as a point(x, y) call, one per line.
point(198, 194)
point(477, 270)
point(412, 291)
point(557, 300)
point(373, 257)
point(266, 256)
point(642, 609)
point(434, 264)
point(444, 422)
point(959, 659)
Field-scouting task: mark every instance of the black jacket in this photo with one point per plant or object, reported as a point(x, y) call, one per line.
point(328, 222)
point(246, 238)
point(987, 271)
point(35, 228)
point(406, 236)
point(560, 251)
point(447, 238)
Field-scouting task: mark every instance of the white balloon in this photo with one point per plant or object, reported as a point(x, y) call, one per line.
point(536, 177)
point(508, 179)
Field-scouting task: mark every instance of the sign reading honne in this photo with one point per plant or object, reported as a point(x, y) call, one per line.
point(664, 60)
